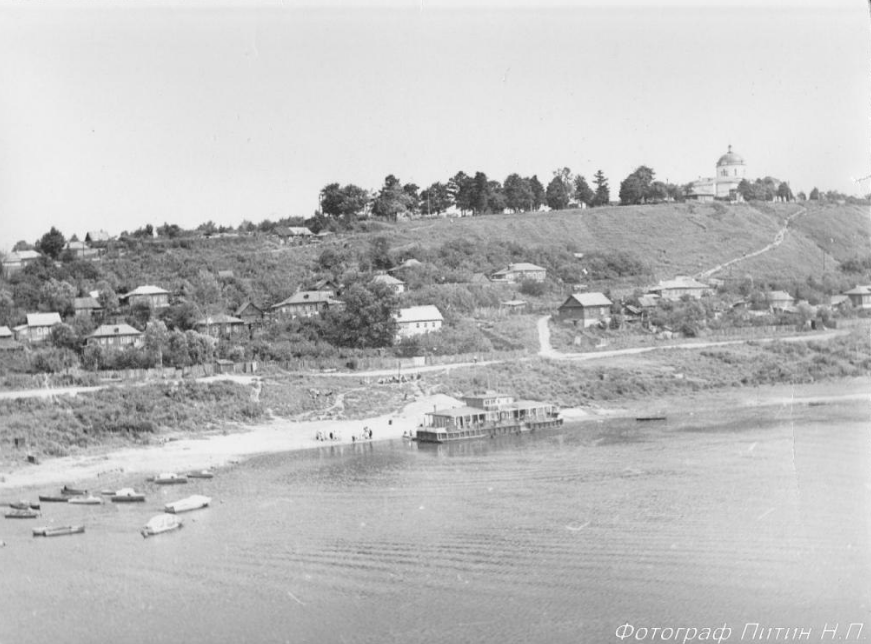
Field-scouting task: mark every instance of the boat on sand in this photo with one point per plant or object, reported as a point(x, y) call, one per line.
point(169, 478)
point(53, 498)
point(160, 524)
point(72, 491)
point(58, 531)
point(201, 474)
point(194, 502)
point(24, 505)
point(86, 500)
point(127, 495)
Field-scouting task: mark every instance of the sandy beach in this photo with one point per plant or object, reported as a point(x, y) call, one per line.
point(281, 435)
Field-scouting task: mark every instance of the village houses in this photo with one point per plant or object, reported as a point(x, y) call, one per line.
point(38, 327)
point(394, 284)
point(305, 304)
point(154, 296)
point(520, 272)
point(860, 297)
point(115, 335)
point(678, 287)
point(220, 326)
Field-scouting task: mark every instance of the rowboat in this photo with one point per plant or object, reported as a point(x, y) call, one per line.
point(58, 531)
point(169, 478)
point(202, 474)
point(24, 505)
point(194, 502)
point(86, 500)
point(72, 491)
point(53, 498)
point(127, 495)
point(22, 514)
point(160, 524)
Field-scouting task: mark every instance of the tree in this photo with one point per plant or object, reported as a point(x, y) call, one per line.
point(517, 192)
point(52, 243)
point(495, 197)
point(366, 321)
point(63, 336)
point(57, 295)
point(346, 202)
point(557, 196)
point(480, 193)
point(539, 197)
point(392, 201)
point(22, 245)
point(784, 192)
point(379, 253)
point(801, 196)
point(635, 188)
point(583, 192)
point(603, 193)
point(461, 188)
point(814, 195)
point(156, 337)
point(435, 199)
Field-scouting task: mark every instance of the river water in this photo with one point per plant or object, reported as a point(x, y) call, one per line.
point(710, 519)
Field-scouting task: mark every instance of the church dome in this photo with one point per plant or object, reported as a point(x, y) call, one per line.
point(730, 158)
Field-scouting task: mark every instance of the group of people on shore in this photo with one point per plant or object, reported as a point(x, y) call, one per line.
point(365, 435)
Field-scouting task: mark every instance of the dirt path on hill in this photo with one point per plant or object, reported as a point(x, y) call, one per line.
point(778, 240)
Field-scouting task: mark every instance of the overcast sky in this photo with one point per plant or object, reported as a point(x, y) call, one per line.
point(114, 117)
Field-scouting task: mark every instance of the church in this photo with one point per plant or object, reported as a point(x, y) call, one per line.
point(724, 185)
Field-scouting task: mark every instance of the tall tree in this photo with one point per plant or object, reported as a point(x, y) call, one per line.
point(814, 195)
point(367, 319)
point(462, 190)
point(583, 192)
point(392, 200)
point(784, 192)
point(557, 196)
point(518, 193)
point(539, 197)
point(603, 192)
point(635, 188)
point(347, 202)
point(52, 243)
point(480, 193)
point(435, 199)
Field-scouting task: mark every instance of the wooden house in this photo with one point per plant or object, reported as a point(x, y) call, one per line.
point(585, 309)
point(250, 313)
point(220, 326)
point(86, 306)
point(520, 272)
point(678, 287)
point(154, 296)
point(860, 297)
point(394, 284)
point(38, 327)
point(115, 335)
point(306, 304)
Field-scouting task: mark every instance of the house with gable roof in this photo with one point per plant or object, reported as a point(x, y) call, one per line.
point(585, 309)
point(115, 335)
point(418, 320)
point(306, 304)
point(38, 327)
point(520, 272)
point(154, 296)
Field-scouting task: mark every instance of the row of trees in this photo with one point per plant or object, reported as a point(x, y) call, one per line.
point(473, 194)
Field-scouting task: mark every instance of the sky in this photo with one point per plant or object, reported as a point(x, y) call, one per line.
point(113, 116)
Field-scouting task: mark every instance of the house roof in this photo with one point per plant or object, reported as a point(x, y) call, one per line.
point(292, 231)
point(97, 235)
point(21, 256)
point(43, 319)
point(5, 332)
point(112, 330)
point(514, 303)
point(225, 274)
point(588, 299)
point(425, 313)
point(647, 301)
point(246, 305)
point(86, 303)
point(859, 290)
point(779, 296)
point(387, 279)
point(520, 267)
point(408, 263)
point(77, 245)
point(220, 318)
point(837, 300)
point(145, 290)
point(308, 297)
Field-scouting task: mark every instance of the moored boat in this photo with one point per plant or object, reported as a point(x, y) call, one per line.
point(22, 514)
point(72, 491)
point(53, 498)
point(58, 531)
point(24, 505)
point(86, 500)
point(194, 502)
point(201, 474)
point(487, 415)
point(169, 478)
point(127, 495)
point(160, 524)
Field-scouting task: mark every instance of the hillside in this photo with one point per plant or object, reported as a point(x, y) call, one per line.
point(671, 238)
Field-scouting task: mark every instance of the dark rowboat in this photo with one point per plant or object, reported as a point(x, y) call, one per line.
point(72, 491)
point(24, 505)
point(58, 531)
point(127, 495)
point(168, 479)
point(53, 498)
point(202, 474)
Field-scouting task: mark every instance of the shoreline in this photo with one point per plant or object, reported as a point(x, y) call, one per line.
point(281, 435)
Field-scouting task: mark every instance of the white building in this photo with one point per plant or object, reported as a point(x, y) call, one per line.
point(730, 170)
point(418, 320)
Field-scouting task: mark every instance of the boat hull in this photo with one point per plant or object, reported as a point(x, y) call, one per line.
point(188, 505)
point(59, 531)
point(22, 514)
point(53, 498)
point(448, 435)
point(127, 498)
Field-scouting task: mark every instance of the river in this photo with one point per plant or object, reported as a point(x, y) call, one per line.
point(751, 516)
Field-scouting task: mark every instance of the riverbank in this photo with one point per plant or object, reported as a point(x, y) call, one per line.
point(106, 468)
